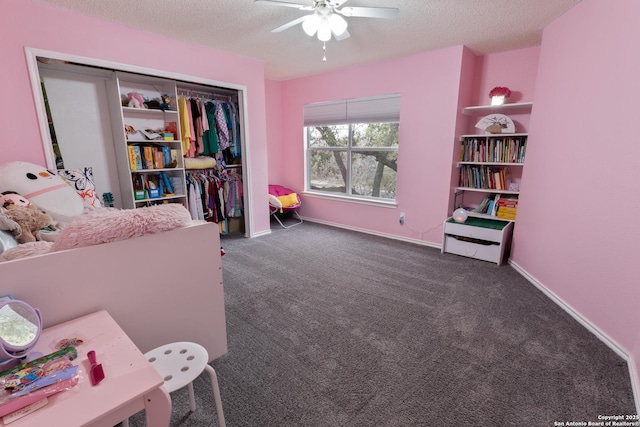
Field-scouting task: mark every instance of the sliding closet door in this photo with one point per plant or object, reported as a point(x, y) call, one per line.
point(80, 114)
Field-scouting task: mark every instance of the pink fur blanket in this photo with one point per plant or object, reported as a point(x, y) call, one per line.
point(109, 225)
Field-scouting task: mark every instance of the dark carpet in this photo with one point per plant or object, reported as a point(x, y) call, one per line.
point(329, 327)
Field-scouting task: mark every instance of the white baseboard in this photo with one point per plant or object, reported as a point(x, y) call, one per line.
point(260, 233)
point(375, 233)
point(634, 374)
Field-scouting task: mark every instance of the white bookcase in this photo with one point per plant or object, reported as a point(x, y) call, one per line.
point(490, 164)
point(140, 178)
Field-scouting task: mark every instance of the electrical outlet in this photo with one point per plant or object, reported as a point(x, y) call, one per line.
point(402, 218)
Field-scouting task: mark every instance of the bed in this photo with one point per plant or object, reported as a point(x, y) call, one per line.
point(160, 288)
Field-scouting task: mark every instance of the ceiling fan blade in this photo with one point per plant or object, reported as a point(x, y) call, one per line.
point(342, 36)
point(286, 4)
point(289, 24)
point(369, 12)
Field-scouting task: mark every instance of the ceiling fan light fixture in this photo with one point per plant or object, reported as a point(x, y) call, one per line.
point(324, 30)
point(338, 24)
point(311, 24)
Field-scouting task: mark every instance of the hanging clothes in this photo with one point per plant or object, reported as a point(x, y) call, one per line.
point(213, 126)
point(210, 137)
point(185, 127)
point(221, 127)
point(205, 195)
point(233, 195)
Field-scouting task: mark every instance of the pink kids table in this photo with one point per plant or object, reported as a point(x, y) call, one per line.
point(130, 383)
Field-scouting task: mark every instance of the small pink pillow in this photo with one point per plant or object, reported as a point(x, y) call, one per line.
point(81, 180)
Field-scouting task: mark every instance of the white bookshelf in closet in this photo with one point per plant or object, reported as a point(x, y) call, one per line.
point(149, 151)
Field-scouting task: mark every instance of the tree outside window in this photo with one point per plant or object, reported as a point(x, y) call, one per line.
point(358, 159)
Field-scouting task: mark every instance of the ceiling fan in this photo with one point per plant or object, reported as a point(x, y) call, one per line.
point(326, 19)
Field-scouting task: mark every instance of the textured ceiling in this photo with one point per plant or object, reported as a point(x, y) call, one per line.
point(244, 28)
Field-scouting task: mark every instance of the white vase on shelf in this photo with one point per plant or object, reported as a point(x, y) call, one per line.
point(497, 100)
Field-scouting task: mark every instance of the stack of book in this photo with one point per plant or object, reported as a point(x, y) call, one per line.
point(500, 206)
point(507, 208)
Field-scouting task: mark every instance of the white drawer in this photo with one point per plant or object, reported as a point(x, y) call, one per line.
point(481, 233)
point(491, 252)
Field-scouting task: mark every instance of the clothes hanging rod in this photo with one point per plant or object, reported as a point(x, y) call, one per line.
point(209, 95)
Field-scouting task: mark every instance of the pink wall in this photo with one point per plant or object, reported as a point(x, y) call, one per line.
point(577, 229)
point(428, 84)
point(277, 168)
point(515, 69)
point(434, 86)
point(26, 23)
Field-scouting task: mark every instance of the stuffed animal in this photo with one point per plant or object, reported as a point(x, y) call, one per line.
point(135, 100)
point(16, 198)
point(165, 102)
point(43, 188)
point(7, 224)
point(152, 104)
point(30, 219)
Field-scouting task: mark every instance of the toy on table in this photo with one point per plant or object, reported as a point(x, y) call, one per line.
point(34, 381)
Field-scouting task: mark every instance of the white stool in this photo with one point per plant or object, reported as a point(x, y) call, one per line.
point(180, 363)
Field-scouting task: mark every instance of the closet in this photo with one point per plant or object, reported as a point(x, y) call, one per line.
point(148, 139)
point(212, 142)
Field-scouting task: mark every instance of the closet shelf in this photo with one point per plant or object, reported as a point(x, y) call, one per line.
point(150, 111)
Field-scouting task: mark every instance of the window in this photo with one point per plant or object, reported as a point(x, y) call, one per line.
point(352, 147)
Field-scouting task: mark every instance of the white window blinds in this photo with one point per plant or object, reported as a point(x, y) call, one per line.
point(377, 109)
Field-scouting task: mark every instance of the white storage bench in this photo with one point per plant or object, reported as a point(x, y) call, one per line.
point(479, 238)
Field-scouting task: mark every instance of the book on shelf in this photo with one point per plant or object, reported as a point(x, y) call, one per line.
point(488, 205)
point(494, 149)
point(135, 157)
point(147, 157)
point(132, 158)
point(509, 216)
point(151, 134)
point(511, 202)
point(484, 204)
point(166, 156)
point(167, 184)
point(485, 177)
point(507, 208)
point(158, 159)
point(494, 209)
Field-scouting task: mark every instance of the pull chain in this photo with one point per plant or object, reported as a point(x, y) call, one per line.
point(324, 51)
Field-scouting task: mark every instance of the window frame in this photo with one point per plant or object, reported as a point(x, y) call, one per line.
point(349, 149)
